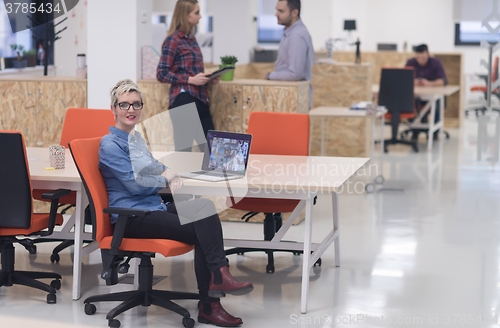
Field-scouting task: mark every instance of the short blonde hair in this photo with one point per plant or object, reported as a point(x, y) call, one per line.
point(121, 87)
point(180, 17)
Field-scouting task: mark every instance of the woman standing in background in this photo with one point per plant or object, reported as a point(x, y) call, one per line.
point(181, 65)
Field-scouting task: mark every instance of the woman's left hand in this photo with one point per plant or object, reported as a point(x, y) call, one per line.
point(215, 80)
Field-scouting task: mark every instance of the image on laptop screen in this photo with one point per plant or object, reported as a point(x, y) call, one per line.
point(228, 154)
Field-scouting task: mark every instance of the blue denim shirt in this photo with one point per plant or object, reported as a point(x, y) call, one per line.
point(132, 176)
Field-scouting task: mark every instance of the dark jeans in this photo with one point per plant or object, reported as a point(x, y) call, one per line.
point(205, 233)
point(186, 135)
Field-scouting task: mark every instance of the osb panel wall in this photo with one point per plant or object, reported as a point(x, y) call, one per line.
point(37, 109)
point(341, 85)
point(230, 105)
point(452, 64)
point(337, 86)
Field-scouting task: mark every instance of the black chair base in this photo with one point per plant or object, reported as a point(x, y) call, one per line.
point(144, 296)
point(481, 110)
point(9, 277)
point(416, 132)
point(54, 257)
point(412, 143)
point(272, 223)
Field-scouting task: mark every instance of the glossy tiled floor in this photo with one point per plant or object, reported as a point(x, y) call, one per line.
point(425, 257)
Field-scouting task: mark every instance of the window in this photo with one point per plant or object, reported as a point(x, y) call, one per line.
point(268, 30)
point(471, 34)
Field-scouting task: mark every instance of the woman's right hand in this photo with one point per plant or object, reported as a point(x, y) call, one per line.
point(173, 179)
point(198, 79)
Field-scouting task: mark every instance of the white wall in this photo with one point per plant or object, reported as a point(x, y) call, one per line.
point(73, 40)
point(235, 31)
point(114, 48)
point(397, 21)
point(317, 16)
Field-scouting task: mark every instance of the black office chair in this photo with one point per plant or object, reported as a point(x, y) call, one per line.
point(396, 94)
point(17, 217)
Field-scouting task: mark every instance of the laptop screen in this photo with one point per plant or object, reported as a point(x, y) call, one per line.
point(227, 151)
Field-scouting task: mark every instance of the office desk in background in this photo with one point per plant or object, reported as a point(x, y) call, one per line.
point(324, 112)
point(431, 95)
point(67, 178)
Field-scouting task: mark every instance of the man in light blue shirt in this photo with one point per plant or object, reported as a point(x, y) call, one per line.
point(296, 53)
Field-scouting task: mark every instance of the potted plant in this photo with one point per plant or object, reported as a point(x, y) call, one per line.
point(30, 56)
point(228, 61)
point(19, 62)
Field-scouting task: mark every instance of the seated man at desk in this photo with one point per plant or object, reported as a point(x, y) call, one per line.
point(296, 52)
point(428, 73)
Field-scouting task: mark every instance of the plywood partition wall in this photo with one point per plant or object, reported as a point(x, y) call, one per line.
point(335, 85)
point(452, 64)
point(37, 106)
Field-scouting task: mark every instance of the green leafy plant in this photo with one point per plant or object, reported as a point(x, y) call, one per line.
point(17, 47)
point(229, 60)
point(31, 52)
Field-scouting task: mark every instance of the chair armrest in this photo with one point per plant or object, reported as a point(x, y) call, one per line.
point(121, 223)
point(126, 211)
point(484, 77)
point(54, 204)
point(56, 194)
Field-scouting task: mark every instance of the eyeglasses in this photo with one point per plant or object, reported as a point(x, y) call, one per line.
point(125, 105)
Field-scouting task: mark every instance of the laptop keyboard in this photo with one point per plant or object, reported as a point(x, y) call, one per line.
point(213, 174)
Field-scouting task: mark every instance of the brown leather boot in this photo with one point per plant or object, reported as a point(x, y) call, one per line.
point(222, 283)
point(215, 314)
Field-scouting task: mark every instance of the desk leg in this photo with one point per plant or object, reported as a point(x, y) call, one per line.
point(431, 118)
point(77, 261)
point(335, 208)
point(322, 136)
point(306, 261)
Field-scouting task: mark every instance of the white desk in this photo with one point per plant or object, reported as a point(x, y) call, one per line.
point(431, 95)
point(266, 179)
point(67, 178)
point(346, 112)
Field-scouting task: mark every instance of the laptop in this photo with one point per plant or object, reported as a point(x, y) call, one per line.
point(225, 157)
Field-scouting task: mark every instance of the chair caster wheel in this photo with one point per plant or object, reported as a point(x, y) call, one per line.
point(188, 322)
point(370, 188)
point(31, 249)
point(56, 284)
point(379, 179)
point(270, 269)
point(90, 309)
point(113, 323)
point(51, 299)
point(318, 262)
point(55, 258)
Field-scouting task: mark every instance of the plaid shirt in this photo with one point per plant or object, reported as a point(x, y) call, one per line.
point(181, 58)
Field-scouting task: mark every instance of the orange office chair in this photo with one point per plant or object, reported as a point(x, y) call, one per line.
point(78, 123)
point(484, 89)
point(17, 217)
point(114, 247)
point(273, 134)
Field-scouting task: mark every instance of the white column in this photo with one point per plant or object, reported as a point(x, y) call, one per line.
point(202, 27)
point(235, 31)
point(117, 30)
